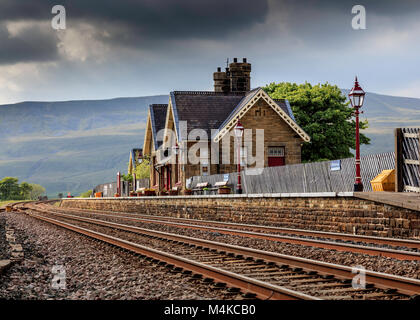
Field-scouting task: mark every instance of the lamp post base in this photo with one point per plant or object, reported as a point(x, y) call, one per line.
point(239, 190)
point(358, 187)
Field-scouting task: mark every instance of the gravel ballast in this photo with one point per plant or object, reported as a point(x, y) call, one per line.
point(92, 270)
point(374, 263)
point(4, 246)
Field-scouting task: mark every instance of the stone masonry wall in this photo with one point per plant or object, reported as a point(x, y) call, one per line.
point(337, 214)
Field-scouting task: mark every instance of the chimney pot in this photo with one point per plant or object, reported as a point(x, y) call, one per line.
point(244, 60)
point(235, 59)
point(219, 69)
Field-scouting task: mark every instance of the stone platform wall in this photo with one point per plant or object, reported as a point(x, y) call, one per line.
point(327, 213)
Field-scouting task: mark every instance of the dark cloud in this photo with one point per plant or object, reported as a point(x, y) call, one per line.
point(31, 43)
point(378, 7)
point(157, 19)
point(150, 24)
point(146, 24)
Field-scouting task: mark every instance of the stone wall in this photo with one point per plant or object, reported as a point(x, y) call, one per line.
point(337, 214)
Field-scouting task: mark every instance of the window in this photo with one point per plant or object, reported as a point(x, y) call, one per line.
point(276, 151)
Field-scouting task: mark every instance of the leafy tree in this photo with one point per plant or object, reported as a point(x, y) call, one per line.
point(126, 177)
point(37, 191)
point(25, 191)
point(9, 189)
point(322, 111)
point(86, 194)
point(143, 169)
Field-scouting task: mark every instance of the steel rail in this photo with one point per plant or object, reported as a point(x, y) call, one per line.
point(409, 243)
point(263, 289)
point(346, 247)
point(408, 286)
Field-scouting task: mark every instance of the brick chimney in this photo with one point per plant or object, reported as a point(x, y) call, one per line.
point(221, 80)
point(236, 78)
point(240, 75)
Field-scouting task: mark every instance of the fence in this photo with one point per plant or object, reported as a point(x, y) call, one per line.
point(110, 189)
point(326, 176)
point(407, 159)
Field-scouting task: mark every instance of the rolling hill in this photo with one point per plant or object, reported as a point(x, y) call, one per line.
point(71, 146)
point(74, 145)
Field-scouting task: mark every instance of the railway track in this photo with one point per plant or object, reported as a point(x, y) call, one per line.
point(402, 249)
point(267, 274)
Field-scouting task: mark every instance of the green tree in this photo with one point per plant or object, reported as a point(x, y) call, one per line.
point(36, 192)
point(86, 194)
point(322, 111)
point(25, 191)
point(9, 189)
point(143, 169)
point(126, 177)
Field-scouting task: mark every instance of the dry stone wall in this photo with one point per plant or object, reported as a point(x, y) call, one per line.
point(337, 214)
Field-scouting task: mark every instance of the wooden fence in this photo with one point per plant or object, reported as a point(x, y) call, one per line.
point(407, 158)
point(326, 176)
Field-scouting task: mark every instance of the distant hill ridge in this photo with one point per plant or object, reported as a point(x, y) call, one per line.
point(71, 146)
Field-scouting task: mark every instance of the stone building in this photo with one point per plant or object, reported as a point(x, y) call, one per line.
point(193, 134)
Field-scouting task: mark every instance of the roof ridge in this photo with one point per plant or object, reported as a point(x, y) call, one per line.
point(210, 93)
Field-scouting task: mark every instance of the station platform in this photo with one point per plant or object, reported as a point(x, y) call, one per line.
point(407, 200)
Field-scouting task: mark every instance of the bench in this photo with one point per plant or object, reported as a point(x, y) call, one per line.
point(199, 187)
point(219, 185)
point(211, 190)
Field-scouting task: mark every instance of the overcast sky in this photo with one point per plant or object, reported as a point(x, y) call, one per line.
point(147, 47)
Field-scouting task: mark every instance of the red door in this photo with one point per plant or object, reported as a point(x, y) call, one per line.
point(275, 161)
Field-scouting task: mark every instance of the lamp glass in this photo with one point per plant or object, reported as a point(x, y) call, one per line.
point(239, 131)
point(362, 99)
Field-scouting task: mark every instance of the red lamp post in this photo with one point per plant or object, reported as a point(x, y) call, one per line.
point(239, 131)
point(357, 97)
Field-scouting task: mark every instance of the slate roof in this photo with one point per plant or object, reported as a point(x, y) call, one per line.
point(203, 109)
point(211, 110)
point(158, 119)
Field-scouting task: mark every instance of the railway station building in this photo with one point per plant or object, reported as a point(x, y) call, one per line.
point(193, 134)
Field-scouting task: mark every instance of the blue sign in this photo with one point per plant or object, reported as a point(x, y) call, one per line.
point(226, 177)
point(335, 165)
